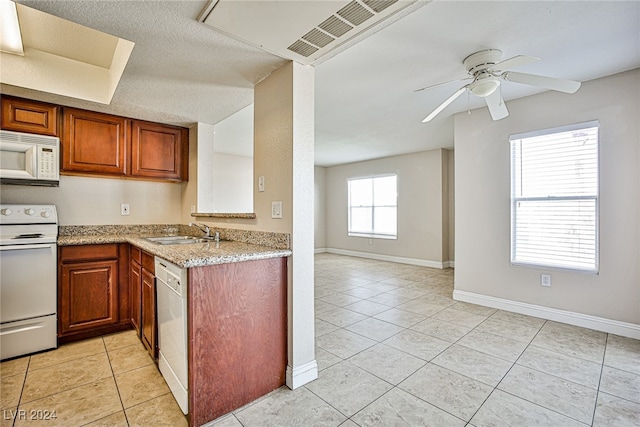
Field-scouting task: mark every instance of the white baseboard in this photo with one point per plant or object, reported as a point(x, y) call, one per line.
point(381, 257)
point(301, 375)
point(616, 327)
point(320, 250)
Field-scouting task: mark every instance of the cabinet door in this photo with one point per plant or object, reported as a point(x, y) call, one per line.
point(23, 115)
point(149, 312)
point(159, 151)
point(88, 295)
point(94, 143)
point(135, 285)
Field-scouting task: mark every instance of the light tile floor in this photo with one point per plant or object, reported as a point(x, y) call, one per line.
point(393, 348)
point(106, 381)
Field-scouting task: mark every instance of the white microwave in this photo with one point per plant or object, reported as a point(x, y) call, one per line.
point(29, 159)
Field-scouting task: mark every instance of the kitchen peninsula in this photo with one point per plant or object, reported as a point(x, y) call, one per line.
point(236, 299)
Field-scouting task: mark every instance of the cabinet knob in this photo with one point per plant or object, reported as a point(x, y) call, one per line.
point(45, 214)
point(6, 212)
point(29, 211)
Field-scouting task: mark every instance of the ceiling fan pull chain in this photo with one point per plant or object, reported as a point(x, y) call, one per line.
point(468, 102)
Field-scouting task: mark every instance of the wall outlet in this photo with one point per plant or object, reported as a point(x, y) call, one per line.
point(371, 241)
point(192, 209)
point(124, 209)
point(276, 209)
point(261, 183)
point(545, 280)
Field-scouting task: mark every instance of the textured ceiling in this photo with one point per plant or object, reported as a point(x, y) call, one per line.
point(182, 71)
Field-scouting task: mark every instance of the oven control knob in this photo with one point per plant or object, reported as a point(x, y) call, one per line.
point(6, 212)
point(45, 214)
point(29, 211)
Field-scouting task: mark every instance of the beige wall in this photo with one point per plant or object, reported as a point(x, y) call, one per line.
point(96, 201)
point(422, 218)
point(319, 205)
point(452, 204)
point(483, 209)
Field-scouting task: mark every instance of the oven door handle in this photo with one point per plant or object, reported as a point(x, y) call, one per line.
point(24, 247)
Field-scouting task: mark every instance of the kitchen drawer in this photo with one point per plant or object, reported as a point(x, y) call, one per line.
point(88, 252)
point(136, 254)
point(148, 262)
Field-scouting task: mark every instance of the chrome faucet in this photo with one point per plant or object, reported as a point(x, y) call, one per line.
point(217, 237)
point(202, 227)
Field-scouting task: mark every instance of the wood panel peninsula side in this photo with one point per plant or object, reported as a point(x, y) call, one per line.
point(237, 333)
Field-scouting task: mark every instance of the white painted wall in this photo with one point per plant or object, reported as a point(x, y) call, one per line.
point(482, 214)
point(96, 201)
point(319, 205)
point(423, 221)
point(232, 183)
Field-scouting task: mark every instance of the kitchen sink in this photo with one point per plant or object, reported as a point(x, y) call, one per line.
point(178, 240)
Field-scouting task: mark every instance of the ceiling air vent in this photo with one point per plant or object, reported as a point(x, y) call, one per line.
point(379, 5)
point(335, 26)
point(304, 31)
point(318, 38)
point(355, 13)
point(302, 48)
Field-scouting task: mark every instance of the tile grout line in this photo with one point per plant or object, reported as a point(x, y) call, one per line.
point(113, 374)
point(604, 355)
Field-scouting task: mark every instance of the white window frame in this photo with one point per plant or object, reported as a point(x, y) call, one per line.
point(372, 234)
point(516, 200)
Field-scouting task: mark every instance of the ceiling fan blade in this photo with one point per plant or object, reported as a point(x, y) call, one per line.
point(496, 105)
point(445, 104)
point(442, 84)
point(514, 62)
point(561, 85)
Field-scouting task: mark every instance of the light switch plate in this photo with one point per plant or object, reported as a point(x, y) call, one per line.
point(276, 209)
point(261, 183)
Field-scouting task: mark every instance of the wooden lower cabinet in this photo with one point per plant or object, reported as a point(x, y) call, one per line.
point(93, 291)
point(143, 299)
point(149, 324)
point(135, 285)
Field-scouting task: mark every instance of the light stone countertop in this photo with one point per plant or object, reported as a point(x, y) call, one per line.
point(185, 255)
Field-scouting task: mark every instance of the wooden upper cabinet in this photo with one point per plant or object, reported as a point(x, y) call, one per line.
point(159, 151)
point(24, 115)
point(94, 142)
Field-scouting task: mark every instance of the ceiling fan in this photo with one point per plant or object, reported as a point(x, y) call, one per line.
point(487, 72)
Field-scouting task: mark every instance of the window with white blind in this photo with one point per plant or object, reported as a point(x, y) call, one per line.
point(373, 206)
point(554, 198)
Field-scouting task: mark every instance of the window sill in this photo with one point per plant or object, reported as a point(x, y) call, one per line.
point(373, 236)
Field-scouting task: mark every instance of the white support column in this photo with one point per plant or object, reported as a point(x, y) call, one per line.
point(302, 367)
point(284, 147)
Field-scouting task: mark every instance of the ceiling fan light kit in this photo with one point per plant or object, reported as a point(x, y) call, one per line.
point(487, 72)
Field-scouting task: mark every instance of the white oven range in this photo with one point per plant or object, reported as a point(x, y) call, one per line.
point(28, 282)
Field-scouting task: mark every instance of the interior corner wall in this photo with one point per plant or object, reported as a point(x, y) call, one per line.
point(482, 202)
point(319, 205)
point(420, 208)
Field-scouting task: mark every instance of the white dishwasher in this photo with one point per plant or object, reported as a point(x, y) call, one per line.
point(171, 285)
